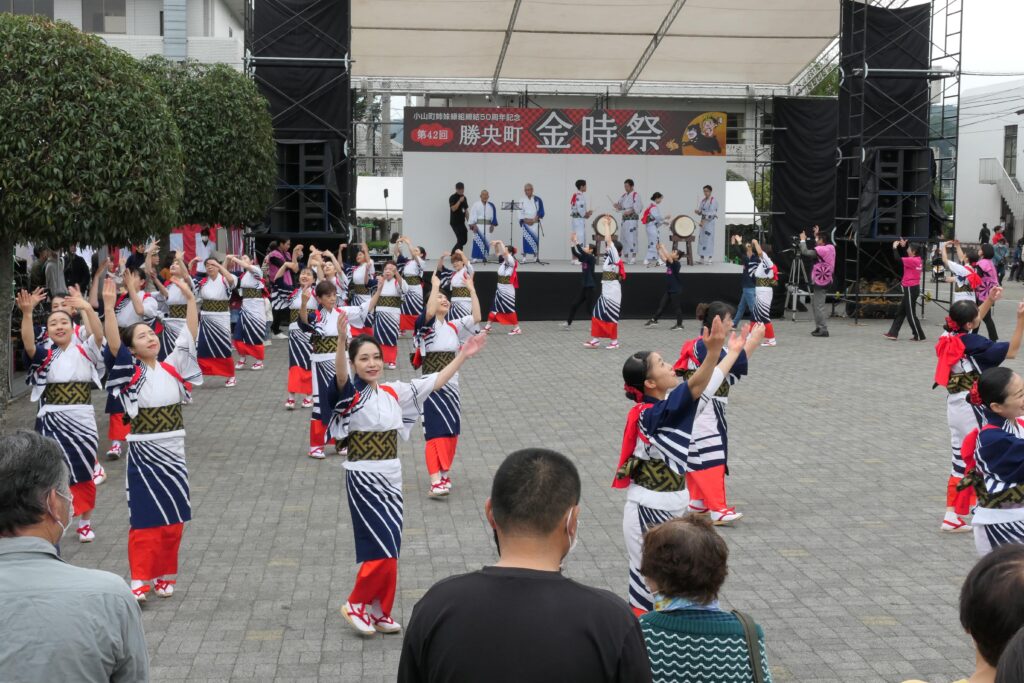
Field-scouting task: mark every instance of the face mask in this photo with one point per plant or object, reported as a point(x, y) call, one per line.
point(572, 538)
point(71, 512)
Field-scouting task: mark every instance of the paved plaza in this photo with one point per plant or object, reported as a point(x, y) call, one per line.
point(839, 460)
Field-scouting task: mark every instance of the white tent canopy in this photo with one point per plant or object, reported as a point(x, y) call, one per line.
point(739, 204)
point(631, 48)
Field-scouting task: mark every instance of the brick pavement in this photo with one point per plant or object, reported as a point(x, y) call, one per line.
point(839, 460)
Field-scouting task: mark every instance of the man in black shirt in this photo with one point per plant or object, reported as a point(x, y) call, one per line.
point(585, 255)
point(458, 205)
point(521, 620)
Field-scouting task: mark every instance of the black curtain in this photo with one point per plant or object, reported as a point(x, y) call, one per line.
point(895, 110)
point(803, 167)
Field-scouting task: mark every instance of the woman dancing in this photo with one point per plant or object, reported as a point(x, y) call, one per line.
point(62, 373)
point(652, 220)
point(909, 256)
point(438, 340)
point(412, 274)
point(369, 415)
point(765, 278)
point(656, 442)
point(151, 393)
point(387, 310)
point(176, 302)
point(503, 310)
point(456, 280)
point(300, 376)
point(708, 457)
point(962, 357)
point(605, 320)
point(214, 345)
point(252, 324)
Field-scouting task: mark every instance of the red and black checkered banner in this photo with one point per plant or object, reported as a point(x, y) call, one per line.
point(491, 130)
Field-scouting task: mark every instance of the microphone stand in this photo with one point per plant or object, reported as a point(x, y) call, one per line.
point(511, 207)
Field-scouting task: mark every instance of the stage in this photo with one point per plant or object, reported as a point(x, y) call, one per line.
point(545, 292)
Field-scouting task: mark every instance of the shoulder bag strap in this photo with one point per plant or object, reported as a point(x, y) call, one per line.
point(753, 646)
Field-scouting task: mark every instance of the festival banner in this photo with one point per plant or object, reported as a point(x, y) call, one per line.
point(564, 131)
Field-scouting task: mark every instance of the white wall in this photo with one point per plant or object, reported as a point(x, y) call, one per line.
point(430, 177)
point(68, 10)
point(984, 114)
point(144, 17)
point(223, 20)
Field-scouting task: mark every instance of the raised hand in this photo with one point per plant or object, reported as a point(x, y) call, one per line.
point(714, 338)
point(435, 281)
point(474, 345)
point(186, 291)
point(342, 323)
point(27, 301)
point(109, 293)
point(995, 294)
point(755, 333)
point(1020, 311)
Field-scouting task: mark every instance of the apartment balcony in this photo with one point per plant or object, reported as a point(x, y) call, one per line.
point(202, 49)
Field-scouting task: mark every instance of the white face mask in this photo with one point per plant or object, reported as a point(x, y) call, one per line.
point(71, 512)
point(572, 537)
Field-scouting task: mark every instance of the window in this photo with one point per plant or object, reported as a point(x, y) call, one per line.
point(231, 34)
point(1010, 151)
point(733, 125)
point(40, 7)
point(104, 16)
point(767, 120)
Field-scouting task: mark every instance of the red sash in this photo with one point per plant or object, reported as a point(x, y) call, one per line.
point(629, 437)
point(687, 354)
point(949, 349)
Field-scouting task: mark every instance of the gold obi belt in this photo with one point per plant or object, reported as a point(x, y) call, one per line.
point(653, 475)
point(67, 393)
point(723, 389)
point(156, 420)
point(359, 289)
point(504, 280)
point(606, 275)
point(216, 306)
point(764, 282)
point(389, 302)
point(252, 293)
point(435, 361)
point(462, 292)
point(177, 311)
point(323, 344)
point(373, 445)
point(412, 280)
point(961, 381)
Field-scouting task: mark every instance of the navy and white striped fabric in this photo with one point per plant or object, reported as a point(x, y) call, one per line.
point(442, 412)
point(637, 520)
point(252, 324)
point(763, 295)
point(214, 336)
point(74, 429)
point(606, 310)
point(157, 482)
point(375, 503)
point(504, 301)
point(299, 348)
point(1001, 534)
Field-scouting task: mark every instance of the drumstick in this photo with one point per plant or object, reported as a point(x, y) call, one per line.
point(610, 200)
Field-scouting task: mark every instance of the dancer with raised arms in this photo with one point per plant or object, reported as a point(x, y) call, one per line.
point(503, 310)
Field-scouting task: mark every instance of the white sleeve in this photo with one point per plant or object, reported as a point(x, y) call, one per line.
point(184, 358)
point(151, 308)
point(411, 397)
point(766, 261)
point(466, 327)
point(613, 252)
point(957, 268)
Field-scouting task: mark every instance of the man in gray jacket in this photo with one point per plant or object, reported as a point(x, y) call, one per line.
point(60, 622)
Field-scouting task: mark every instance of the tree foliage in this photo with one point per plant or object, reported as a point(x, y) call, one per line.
point(227, 139)
point(829, 84)
point(88, 149)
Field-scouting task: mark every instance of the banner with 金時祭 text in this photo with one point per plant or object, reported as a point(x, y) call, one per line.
point(564, 131)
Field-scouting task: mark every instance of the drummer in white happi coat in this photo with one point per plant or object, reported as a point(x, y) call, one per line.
point(579, 213)
point(708, 212)
point(530, 214)
point(630, 205)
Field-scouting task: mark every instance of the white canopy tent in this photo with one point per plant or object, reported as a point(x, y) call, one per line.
point(739, 204)
point(656, 47)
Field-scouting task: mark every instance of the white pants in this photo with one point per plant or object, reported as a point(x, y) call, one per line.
point(636, 519)
point(652, 241)
point(629, 238)
point(579, 226)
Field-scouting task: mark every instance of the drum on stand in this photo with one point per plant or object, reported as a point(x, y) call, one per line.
point(604, 226)
point(683, 229)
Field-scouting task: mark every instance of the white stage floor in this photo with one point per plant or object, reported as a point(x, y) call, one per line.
point(562, 266)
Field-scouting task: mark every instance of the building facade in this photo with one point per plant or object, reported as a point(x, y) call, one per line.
point(208, 31)
point(990, 158)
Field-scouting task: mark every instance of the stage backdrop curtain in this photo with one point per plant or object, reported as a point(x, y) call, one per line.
point(803, 167)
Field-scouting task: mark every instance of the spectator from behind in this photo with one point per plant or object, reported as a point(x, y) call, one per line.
point(1011, 662)
point(689, 637)
point(992, 607)
point(522, 620)
point(60, 623)
point(984, 234)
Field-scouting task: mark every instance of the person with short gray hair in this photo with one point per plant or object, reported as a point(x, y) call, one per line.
point(61, 623)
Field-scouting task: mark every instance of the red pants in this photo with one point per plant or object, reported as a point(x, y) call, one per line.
point(318, 434)
point(254, 350)
point(153, 552)
point(300, 381)
point(600, 328)
point(117, 430)
point(504, 318)
point(960, 501)
point(440, 453)
point(217, 367)
point(769, 331)
point(709, 486)
point(376, 580)
point(84, 497)
point(389, 353)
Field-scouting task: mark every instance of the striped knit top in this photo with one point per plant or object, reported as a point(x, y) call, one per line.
point(699, 645)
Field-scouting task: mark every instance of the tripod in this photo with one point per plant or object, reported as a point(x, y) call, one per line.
point(797, 280)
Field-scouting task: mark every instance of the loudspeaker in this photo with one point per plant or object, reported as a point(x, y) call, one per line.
point(896, 193)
